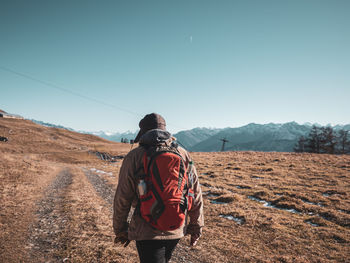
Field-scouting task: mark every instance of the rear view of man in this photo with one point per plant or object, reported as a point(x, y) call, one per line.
point(159, 179)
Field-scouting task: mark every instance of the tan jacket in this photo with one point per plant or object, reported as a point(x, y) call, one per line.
point(127, 196)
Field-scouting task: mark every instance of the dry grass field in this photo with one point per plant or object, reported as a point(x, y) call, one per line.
point(56, 202)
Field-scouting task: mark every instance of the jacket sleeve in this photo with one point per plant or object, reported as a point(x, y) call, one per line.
point(196, 213)
point(124, 196)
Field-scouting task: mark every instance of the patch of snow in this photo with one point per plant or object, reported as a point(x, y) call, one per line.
point(256, 199)
point(101, 172)
point(311, 223)
point(270, 205)
point(238, 220)
point(213, 195)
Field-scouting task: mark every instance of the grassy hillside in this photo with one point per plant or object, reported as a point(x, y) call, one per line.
point(57, 196)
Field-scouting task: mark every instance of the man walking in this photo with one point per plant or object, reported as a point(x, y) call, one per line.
point(159, 179)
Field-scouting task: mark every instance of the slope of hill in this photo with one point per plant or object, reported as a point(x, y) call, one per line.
point(256, 137)
point(187, 138)
point(345, 127)
point(57, 202)
point(40, 172)
point(251, 137)
point(47, 124)
point(32, 138)
point(111, 136)
point(192, 137)
point(116, 137)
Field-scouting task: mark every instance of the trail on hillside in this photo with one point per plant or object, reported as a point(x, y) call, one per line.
point(45, 234)
point(101, 186)
point(73, 222)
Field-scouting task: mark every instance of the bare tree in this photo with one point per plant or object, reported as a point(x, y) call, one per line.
point(343, 142)
point(324, 140)
point(313, 140)
point(327, 140)
point(301, 145)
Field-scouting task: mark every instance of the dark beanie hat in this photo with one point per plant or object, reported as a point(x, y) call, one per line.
point(150, 122)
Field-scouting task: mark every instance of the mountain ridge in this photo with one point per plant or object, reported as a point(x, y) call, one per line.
point(279, 137)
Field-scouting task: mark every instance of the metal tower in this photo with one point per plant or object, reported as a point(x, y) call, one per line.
point(223, 144)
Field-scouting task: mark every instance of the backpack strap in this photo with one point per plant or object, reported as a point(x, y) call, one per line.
point(159, 207)
point(152, 152)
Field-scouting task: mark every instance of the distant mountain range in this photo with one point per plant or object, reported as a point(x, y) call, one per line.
point(116, 137)
point(255, 137)
point(51, 125)
point(251, 137)
point(191, 138)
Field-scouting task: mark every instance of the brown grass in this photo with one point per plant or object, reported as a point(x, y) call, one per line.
point(306, 217)
point(285, 180)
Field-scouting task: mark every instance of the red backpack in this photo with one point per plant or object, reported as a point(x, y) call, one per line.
point(165, 189)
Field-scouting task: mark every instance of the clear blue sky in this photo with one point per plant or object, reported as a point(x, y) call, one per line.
point(198, 63)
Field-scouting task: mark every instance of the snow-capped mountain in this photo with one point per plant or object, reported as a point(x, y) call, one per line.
point(117, 137)
point(280, 137)
point(256, 137)
point(192, 137)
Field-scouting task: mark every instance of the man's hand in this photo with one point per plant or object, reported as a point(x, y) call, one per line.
point(122, 238)
point(194, 239)
point(195, 232)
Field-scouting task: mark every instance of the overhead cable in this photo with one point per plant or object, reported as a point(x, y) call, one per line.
point(57, 87)
point(68, 91)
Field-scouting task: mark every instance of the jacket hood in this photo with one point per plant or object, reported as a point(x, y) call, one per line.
point(155, 136)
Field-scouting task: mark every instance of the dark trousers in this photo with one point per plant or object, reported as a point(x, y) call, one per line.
point(156, 251)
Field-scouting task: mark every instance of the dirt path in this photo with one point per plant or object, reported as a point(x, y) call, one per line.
point(73, 223)
point(44, 235)
point(102, 187)
point(23, 181)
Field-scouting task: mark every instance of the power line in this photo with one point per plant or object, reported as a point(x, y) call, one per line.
point(69, 91)
point(57, 87)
